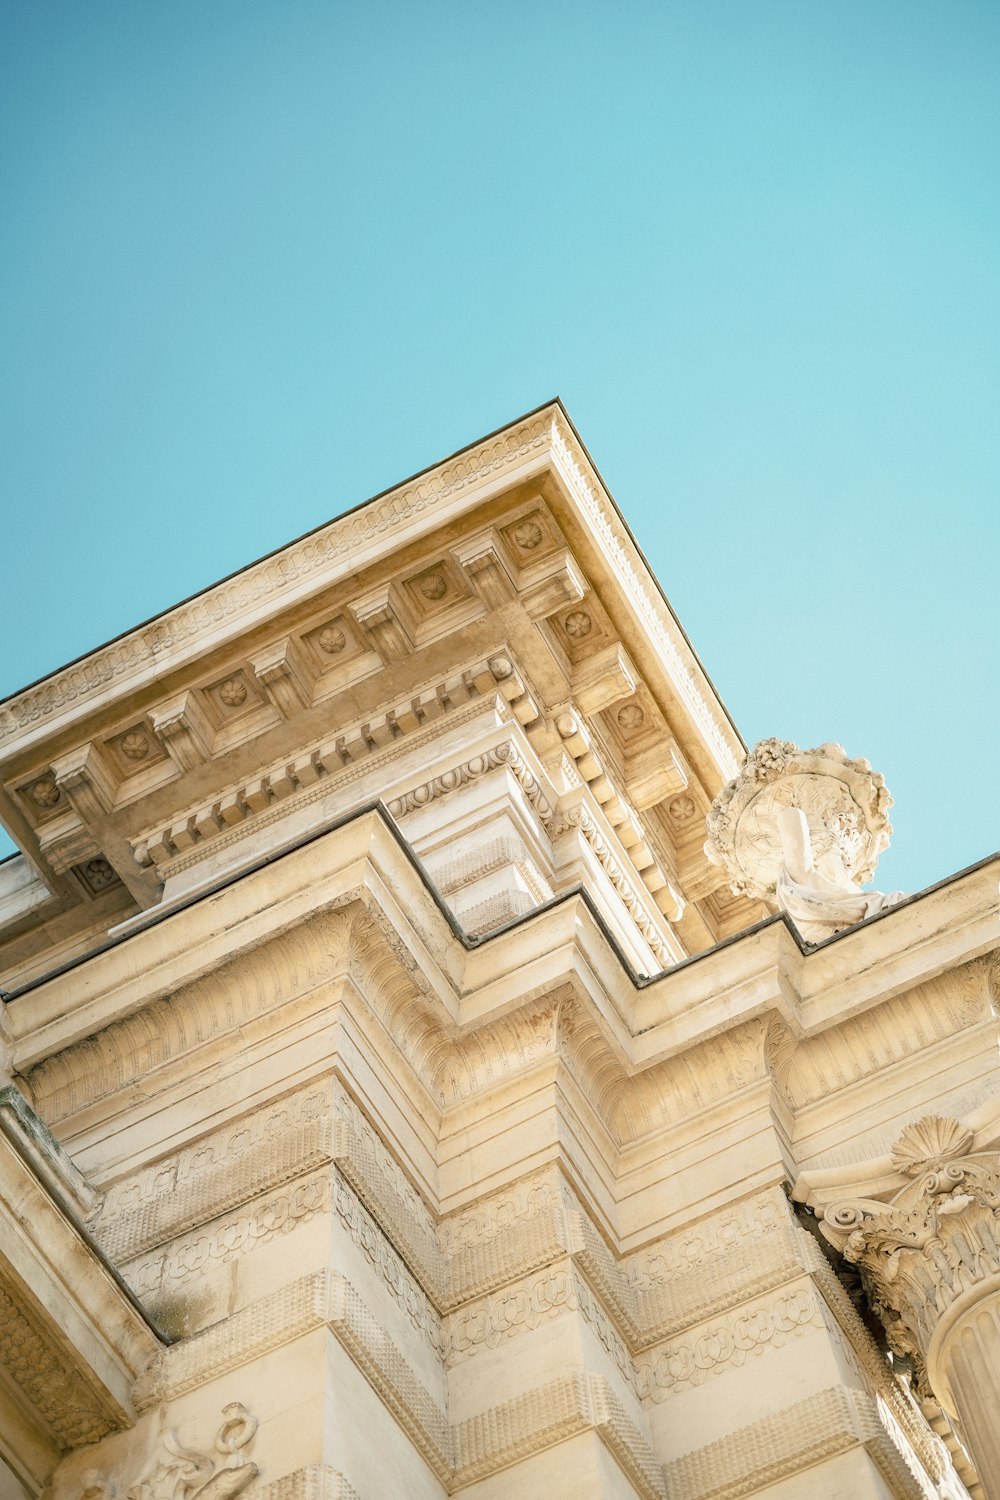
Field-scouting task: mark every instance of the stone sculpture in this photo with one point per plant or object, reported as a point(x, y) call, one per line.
point(804, 828)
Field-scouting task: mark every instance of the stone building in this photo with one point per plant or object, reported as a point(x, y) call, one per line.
point(398, 1099)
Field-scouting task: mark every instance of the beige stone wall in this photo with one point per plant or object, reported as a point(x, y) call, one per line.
point(431, 1260)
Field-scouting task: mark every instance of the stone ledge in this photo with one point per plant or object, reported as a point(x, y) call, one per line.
point(822, 1426)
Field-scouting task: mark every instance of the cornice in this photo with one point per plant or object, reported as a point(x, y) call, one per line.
point(741, 990)
point(542, 440)
point(641, 592)
point(303, 568)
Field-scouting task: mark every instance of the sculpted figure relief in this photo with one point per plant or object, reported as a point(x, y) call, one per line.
point(803, 828)
point(185, 1474)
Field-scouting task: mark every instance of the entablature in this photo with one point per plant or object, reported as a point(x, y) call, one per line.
point(745, 1014)
point(348, 641)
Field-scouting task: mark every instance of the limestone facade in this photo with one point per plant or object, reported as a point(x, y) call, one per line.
point(397, 1098)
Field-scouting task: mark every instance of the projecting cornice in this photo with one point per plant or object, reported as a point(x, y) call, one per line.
point(543, 440)
point(506, 570)
point(764, 973)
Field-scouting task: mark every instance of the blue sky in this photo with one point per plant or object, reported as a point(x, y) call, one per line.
point(259, 261)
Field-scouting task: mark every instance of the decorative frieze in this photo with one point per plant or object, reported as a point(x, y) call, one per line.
point(471, 1450)
point(219, 1152)
point(487, 1322)
point(724, 1291)
point(272, 1214)
point(240, 1178)
point(406, 1291)
point(387, 1194)
point(633, 1311)
point(722, 1261)
point(726, 1259)
point(603, 1324)
point(506, 1235)
point(505, 756)
point(421, 1417)
point(729, 1342)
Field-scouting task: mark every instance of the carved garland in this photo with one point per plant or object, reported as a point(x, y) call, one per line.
point(49, 1382)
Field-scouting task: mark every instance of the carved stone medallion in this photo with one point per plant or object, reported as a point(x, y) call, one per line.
point(845, 802)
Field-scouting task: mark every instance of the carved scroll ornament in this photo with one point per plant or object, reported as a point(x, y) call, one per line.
point(937, 1240)
point(181, 1473)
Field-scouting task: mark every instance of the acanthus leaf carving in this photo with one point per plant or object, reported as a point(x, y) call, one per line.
point(936, 1240)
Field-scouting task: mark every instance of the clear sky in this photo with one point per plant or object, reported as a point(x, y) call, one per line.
point(260, 259)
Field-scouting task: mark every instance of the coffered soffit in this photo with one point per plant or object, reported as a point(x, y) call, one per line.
point(514, 543)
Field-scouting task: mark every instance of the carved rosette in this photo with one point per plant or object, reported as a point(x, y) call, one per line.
point(936, 1242)
point(845, 802)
